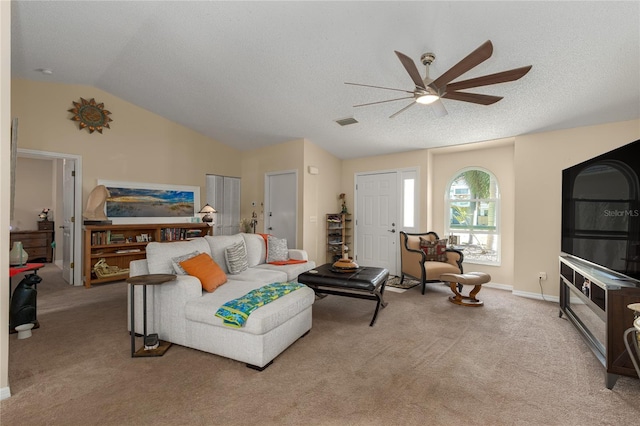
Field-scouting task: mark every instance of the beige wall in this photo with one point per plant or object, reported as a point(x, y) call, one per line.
point(5, 180)
point(139, 147)
point(256, 163)
point(538, 162)
point(409, 159)
point(320, 197)
point(496, 157)
point(35, 186)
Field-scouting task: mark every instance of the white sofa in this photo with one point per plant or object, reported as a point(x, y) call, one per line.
point(183, 313)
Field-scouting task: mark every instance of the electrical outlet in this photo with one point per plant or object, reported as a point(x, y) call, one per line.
point(542, 276)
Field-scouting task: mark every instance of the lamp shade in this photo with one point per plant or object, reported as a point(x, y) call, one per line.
point(207, 209)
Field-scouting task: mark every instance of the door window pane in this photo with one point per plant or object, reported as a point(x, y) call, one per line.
point(409, 203)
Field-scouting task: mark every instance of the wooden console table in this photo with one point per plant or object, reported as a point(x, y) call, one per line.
point(118, 245)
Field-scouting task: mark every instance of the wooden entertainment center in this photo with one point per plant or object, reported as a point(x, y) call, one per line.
point(120, 244)
point(595, 300)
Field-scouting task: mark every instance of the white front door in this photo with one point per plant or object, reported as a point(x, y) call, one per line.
point(281, 201)
point(68, 208)
point(376, 220)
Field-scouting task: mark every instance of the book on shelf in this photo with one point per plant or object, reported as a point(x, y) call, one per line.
point(193, 233)
point(177, 234)
point(116, 239)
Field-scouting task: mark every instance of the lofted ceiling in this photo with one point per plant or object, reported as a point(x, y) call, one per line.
point(253, 74)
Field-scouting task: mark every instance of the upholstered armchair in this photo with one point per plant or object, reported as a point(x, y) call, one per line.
point(414, 261)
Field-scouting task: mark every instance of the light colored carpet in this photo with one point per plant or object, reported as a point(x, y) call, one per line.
point(426, 361)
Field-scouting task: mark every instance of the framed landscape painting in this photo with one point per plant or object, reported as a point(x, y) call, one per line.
point(132, 202)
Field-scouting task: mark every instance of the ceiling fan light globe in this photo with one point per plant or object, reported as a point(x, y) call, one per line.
point(427, 99)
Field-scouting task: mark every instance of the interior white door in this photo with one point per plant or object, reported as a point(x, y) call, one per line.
point(281, 200)
point(68, 208)
point(376, 220)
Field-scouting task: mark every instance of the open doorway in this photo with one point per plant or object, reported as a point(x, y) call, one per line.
point(65, 186)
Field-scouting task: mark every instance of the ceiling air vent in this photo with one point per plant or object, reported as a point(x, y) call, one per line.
point(346, 121)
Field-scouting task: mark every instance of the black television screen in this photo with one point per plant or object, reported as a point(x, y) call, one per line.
point(601, 210)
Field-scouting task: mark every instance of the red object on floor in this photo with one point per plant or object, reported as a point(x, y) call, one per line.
point(15, 270)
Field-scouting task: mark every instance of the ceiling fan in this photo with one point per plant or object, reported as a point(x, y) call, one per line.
point(430, 92)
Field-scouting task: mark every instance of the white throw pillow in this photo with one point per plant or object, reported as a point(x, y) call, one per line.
point(175, 261)
point(159, 254)
point(277, 249)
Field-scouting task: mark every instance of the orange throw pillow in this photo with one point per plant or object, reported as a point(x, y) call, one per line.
point(204, 268)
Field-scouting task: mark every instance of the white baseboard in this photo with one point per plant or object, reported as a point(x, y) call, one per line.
point(527, 294)
point(4, 393)
point(537, 296)
point(498, 286)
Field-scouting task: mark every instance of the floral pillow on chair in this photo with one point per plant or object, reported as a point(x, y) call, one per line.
point(435, 251)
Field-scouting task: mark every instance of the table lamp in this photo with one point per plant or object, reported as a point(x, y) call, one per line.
point(207, 210)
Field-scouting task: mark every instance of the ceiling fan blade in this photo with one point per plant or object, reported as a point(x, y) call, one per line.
point(410, 66)
point(379, 87)
point(472, 97)
point(438, 108)
point(473, 59)
point(382, 102)
point(402, 110)
point(500, 77)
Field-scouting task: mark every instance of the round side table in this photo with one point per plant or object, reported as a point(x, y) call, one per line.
point(144, 281)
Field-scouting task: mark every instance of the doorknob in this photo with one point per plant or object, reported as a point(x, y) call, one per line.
point(270, 228)
point(393, 231)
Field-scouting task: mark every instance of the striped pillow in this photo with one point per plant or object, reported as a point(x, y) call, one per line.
point(236, 258)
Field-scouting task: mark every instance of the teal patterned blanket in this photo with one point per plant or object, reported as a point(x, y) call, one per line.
point(235, 312)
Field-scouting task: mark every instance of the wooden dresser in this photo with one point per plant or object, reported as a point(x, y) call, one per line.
point(37, 244)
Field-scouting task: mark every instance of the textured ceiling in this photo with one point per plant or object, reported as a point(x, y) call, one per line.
point(252, 74)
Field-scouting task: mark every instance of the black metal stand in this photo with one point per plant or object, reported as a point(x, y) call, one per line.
point(144, 281)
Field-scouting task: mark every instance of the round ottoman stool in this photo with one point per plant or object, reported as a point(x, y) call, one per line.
point(475, 279)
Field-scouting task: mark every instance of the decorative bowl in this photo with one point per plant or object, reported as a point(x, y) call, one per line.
point(347, 264)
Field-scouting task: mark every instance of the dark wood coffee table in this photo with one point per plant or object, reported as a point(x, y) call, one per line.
point(364, 283)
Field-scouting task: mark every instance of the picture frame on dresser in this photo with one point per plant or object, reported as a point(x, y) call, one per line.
point(138, 202)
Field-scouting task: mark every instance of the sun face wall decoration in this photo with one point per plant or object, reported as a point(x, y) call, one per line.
point(91, 115)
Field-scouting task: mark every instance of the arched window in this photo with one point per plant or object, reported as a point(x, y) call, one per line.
point(472, 215)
